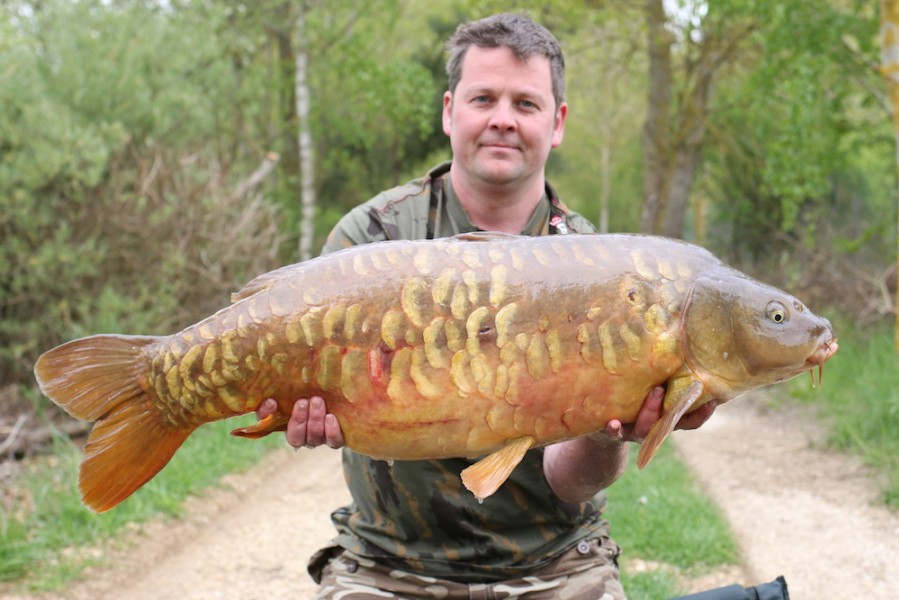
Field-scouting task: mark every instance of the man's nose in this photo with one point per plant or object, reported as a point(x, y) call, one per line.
point(503, 117)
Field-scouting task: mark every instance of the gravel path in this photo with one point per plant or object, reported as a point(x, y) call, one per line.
point(796, 510)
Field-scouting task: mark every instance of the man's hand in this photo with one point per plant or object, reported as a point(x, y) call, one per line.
point(652, 412)
point(577, 469)
point(310, 423)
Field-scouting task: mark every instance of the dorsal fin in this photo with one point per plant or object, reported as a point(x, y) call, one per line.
point(265, 281)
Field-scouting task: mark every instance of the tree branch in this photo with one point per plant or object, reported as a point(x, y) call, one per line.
point(255, 178)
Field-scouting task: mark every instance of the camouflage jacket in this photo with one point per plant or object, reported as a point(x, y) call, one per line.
point(416, 515)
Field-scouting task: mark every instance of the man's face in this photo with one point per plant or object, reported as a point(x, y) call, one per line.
point(502, 119)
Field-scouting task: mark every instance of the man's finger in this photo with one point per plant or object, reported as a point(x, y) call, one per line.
point(296, 427)
point(268, 406)
point(333, 433)
point(315, 425)
point(699, 416)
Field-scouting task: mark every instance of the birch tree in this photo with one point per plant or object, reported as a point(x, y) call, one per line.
point(304, 139)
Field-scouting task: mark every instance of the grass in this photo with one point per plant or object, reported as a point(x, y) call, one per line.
point(48, 537)
point(859, 401)
point(659, 515)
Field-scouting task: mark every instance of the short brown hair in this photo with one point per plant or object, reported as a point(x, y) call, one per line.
point(518, 33)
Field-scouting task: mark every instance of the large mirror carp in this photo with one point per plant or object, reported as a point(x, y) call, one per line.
point(478, 345)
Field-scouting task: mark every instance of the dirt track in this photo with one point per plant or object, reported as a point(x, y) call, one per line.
point(796, 511)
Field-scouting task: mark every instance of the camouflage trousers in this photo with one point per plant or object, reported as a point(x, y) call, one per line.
point(585, 572)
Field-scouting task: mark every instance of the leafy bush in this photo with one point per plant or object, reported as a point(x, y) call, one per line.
point(117, 212)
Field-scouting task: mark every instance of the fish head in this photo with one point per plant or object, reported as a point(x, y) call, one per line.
point(741, 334)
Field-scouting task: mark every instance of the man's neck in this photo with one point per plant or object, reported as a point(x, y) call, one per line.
point(498, 208)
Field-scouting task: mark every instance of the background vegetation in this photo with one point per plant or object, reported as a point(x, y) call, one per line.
point(137, 137)
point(151, 158)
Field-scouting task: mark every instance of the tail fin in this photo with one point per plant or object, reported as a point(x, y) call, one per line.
point(98, 378)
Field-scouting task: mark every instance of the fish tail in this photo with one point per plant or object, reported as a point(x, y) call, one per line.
point(98, 378)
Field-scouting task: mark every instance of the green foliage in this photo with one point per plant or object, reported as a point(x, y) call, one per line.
point(373, 94)
point(363, 148)
point(16, 556)
point(859, 401)
point(101, 218)
point(606, 97)
point(787, 118)
point(48, 536)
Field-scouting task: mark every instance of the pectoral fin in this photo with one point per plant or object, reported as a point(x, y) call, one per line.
point(485, 476)
point(270, 424)
point(684, 399)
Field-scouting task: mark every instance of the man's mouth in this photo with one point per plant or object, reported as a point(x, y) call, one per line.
point(499, 146)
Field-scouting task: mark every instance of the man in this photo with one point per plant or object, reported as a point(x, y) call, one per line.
point(413, 531)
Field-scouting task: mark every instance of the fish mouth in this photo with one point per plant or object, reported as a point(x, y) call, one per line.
point(820, 356)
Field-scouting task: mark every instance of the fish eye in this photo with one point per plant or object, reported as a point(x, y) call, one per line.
point(777, 313)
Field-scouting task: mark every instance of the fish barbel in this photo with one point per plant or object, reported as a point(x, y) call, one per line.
point(482, 344)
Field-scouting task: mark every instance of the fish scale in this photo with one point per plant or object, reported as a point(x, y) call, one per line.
point(484, 343)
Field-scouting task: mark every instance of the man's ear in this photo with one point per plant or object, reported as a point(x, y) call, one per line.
point(559, 125)
point(447, 112)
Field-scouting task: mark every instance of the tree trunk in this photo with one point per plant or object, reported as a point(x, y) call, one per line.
point(306, 155)
point(286, 91)
point(672, 142)
point(687, 145)
point(889, 39)
point(656, 129)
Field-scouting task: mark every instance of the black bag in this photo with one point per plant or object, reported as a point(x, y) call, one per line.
point(775, 590)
